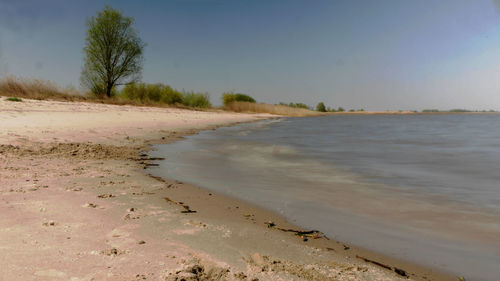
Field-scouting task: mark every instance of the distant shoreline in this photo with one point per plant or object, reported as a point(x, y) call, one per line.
point(407, 113)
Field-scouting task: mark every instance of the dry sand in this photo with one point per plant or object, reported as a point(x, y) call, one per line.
point(76, 203)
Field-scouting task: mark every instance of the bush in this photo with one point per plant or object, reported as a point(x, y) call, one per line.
point(298, 105)
point(145, 93)
point(243, 97)
point(171, 96)
point(164, 94)
point(230, 97)
point(134, 91)
point(199, 100)
point(14, 99)
point(154, 92)
point(321, 107)
point(340, 109)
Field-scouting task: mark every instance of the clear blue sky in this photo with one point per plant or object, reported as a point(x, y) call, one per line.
point(378, 55)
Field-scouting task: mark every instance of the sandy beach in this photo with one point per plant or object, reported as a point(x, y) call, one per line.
point(77, 203)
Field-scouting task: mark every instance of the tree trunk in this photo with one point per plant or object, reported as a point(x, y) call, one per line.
point(109, 87)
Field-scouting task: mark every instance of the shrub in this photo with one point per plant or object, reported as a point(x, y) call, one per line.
point(321, 107)
point(243, 97)
point(199, 100)
point(230, 97)
point(298, 105)
point(295, 105)
point(14, 99)
point(154, 92)
point(147, 93)
point(170, 95)
point(340, 109)
point(134, 91)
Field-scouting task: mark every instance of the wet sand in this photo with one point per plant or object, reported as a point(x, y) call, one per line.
point(77, 203)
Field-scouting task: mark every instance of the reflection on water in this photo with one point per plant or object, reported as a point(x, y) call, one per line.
point(420, 187)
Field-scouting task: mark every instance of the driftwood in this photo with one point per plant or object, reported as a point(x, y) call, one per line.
point(397, 270)
point(314, 234)
point(151, 158)
point(145, 161)
point(157, 178)
point(187, 210)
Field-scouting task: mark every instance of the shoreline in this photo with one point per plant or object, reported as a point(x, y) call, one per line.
point(261, 217)
point(90, 211)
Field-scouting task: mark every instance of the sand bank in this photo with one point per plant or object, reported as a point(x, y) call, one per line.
point(77, 204)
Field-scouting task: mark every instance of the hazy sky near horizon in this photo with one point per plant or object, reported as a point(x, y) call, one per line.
point(377, 55)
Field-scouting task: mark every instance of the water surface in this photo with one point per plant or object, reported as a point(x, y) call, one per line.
point(425, 188)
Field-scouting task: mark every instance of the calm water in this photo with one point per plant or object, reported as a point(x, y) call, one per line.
point(425, 188)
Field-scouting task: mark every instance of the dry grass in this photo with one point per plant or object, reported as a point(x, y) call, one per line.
point(37, 89)
point(270, 108)
point(46, 90)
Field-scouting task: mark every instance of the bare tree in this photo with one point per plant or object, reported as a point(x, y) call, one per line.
point(113, 52)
